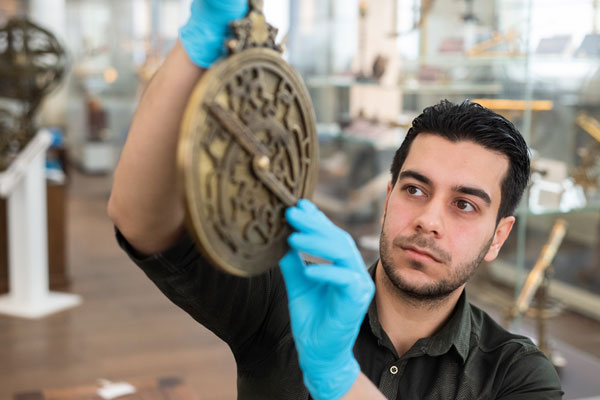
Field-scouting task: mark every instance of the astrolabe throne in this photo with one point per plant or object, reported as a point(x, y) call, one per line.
point(32, 64)
point(248, 150)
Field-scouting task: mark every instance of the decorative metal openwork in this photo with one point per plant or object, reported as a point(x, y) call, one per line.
point(248, 150)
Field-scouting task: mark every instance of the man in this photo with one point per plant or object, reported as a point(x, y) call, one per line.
point(456, 181)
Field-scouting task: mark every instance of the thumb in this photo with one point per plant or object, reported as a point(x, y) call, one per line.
point(293, 271)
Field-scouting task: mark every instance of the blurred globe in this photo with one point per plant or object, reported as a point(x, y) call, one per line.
point(32, 64)
point(32, 61)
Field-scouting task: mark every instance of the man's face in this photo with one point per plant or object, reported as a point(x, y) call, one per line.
point(440, 216)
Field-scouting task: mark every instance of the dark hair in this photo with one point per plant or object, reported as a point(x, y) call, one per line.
point(472, 122)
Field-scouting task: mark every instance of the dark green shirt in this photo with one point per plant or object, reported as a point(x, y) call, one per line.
point(471, 357)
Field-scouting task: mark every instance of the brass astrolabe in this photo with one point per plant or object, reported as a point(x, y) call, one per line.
point(248, 150)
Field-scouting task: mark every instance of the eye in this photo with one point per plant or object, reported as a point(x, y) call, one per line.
point(413, 190)
point(465, 206)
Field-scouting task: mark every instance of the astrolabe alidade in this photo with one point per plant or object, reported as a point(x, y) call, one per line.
point(248, 150)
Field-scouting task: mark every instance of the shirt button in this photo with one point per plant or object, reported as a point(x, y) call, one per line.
point(394, 370)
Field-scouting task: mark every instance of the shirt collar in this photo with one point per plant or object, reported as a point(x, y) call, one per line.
point(456, 332)
point(372, 314)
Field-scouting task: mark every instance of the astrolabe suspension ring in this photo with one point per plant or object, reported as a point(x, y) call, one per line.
point(248, 150)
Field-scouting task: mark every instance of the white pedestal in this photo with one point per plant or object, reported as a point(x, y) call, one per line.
point(24, 186)
point(95, 157)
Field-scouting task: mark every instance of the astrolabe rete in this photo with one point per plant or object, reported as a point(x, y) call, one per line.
point(248, 150)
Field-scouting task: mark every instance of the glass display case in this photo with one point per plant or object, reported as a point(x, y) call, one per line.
point(115, 48)
point(371, 66)
point(534, 61)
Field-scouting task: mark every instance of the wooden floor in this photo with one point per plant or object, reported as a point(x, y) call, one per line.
point(126, 329)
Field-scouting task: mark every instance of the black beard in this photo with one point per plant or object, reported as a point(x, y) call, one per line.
point(433, 293)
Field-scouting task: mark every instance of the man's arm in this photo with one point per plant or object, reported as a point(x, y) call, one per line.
point(327, 304)
point(145, 202)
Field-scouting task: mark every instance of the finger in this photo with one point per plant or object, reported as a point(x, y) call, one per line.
point(293, 271)
point(353, 292)
point(333, 248)
point(331, 274)
point(306, 217)
point(237, 8)
point(306, 204)
point(355, 285)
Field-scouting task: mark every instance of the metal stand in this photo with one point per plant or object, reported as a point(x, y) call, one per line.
point(544, 309)
point(537, 285)
point(24, 186)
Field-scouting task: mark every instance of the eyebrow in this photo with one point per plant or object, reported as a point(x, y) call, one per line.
point(459, 189)
point(474, 192)
point(415, 175)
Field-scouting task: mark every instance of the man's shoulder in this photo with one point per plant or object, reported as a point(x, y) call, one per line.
point(520, 367)
point(489, 336)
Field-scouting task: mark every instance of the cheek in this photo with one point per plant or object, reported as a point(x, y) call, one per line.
point(398, 217)
point(467, 238)
point(462, 237)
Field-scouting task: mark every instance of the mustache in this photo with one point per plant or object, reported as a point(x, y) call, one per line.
point(425, 243)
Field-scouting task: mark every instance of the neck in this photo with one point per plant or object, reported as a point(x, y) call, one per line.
point(406, 320)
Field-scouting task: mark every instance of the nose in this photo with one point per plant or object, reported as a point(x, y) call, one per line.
point(430, 220)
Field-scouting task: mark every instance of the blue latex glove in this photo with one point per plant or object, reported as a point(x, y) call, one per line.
point(327, 302)
point(203, 36)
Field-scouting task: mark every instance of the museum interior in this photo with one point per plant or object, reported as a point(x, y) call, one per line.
point(78, 319)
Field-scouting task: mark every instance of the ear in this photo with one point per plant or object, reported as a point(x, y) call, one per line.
point(390, 187)
point(502, 230)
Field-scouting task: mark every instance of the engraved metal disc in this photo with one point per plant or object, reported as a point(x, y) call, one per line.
point(248, 149)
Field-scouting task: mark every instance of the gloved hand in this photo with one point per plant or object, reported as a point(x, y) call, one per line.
point(203, 36)
point(327, 302)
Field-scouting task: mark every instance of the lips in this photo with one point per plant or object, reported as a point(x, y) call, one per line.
point(421, 252)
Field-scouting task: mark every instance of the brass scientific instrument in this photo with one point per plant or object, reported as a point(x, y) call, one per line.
point(537, 285)
point(32, 64)
point(487, 47)
point(248, 150)
point(587, 174)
